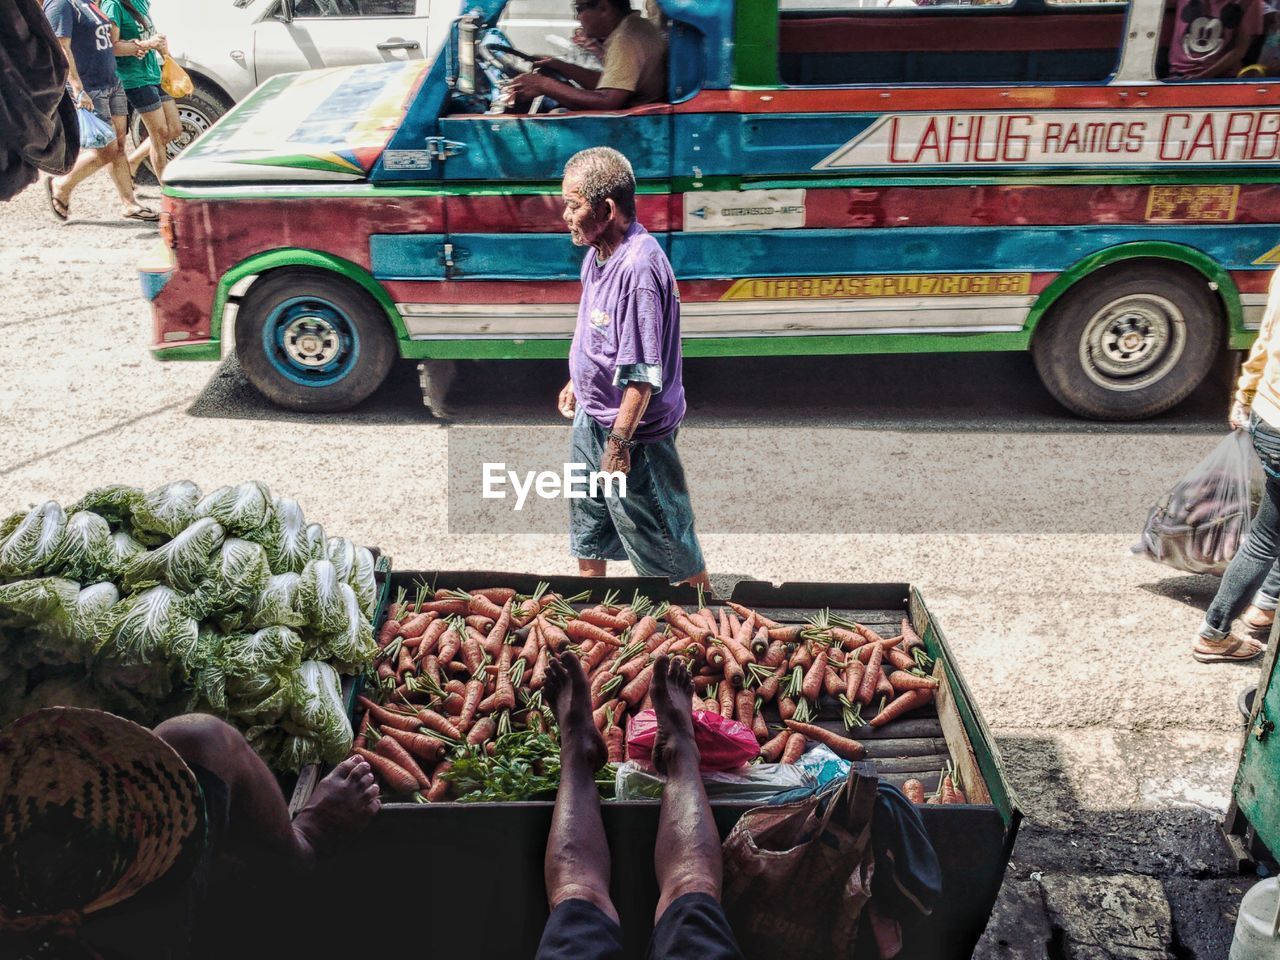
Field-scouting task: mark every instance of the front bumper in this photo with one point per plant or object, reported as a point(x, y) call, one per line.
point(181, 306)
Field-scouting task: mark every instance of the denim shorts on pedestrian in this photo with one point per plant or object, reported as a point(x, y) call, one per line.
point(652, 526)
point(1266, 441)
point(109, 101)
point(147, 97)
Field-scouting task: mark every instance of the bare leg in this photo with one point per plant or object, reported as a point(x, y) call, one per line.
point(120, 166)
point(140, 153)
point(577, 861)
point(158, 137)
point(89, 162)
point(259, 817)
point(687, 851)
point(591, 568)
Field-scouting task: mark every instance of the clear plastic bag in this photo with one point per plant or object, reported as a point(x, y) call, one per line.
point(1201, 522)
point(759, 781)
point(95, 133)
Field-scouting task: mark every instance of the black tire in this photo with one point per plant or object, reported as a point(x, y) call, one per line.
point(313, 341)
point(198, 113)
point(1129, 341)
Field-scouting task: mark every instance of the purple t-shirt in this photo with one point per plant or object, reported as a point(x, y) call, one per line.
point(629, 314)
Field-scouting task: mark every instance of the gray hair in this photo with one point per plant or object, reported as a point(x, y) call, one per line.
point(605, 174)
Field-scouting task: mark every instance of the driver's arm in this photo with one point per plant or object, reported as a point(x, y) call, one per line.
point(579, 74)
point(576, 98)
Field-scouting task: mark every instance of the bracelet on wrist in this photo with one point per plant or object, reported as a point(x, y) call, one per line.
point(625, 442)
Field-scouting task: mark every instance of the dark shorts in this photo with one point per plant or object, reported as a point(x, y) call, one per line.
point(652, 526)
point(109, 101)
point(147, 98)
point(694, 927)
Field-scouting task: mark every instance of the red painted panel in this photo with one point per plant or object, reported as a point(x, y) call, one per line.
point(536, 213)
point(1252, 281)
point(851, 34)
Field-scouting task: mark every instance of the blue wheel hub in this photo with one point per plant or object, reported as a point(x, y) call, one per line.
point(311, 341)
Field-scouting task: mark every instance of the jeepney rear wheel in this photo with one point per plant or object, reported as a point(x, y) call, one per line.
point(1129, 341)
point(312, 341)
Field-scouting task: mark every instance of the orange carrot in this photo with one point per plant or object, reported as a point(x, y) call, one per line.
point(390, 630)
point(498, 634)
point(744, 707)
point(529, 652)
point(420, 745)
point(483, 624)
point(603, 619)
point(871, 678)
point(431, 637)
point(595, 656)
point(899, 660)
point(483, 730)
point(452, 705)
point(645, 628)
point(382, 715)
point(582, 630)
point(473, 654)
point(758, 726)
point(853, 672)
point(393, 776)
point(910, 681)
point(814, 677)
point(910, 639)
point(415, 625)
point(504, 690)
point(386, 671)
point(914, 790)
point(495, 594)
point(802, 657)
point(776, 654)
point(786, 708)
point(883, 687)
point(394, 750)
point(771, 752)
point(746, 612)
point(602, 713)
point(794, 749)
point(760, 643)
point(726, 696)
point(733, 669)
point(633, 692)
point(614, 741)
point(833, 681)
point(787, 634)
point(903, 703)
point(769, 689)
point(842, 747)
point(440, 786)
point(552, 635)
point(539, 675)
point(471, 703)
point(677, 617)
point(740, 652)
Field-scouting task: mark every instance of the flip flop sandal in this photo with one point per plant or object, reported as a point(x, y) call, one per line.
point(1241, 627)
point(142, 213)
point(60, 210)
point(1233, 650)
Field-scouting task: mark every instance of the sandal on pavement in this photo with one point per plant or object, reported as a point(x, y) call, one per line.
point(142, 213)
point(1231, 649)
point(1260, 632)
point(60, 209)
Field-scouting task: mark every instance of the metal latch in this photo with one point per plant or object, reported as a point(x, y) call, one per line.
point(438, 148)
point(449, 255)
point(446, 256)
point(1263, 728)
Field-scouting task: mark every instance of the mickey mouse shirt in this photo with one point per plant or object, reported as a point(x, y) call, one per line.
point(628, 330)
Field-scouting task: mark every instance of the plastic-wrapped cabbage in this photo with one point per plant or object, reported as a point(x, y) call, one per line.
point(166, 511)
point(318, 710)
point(287, 546)
point(181, 563)
point(85, 553)
point(115, 503)
point(278, 605)
point(317, 548)
point(320, 600)
point(30, 548)
point(341, 552)
point(152, 626)
point(266, 651)
point(236, 577)
point(92, 604)
point(50, 601)
point(123, 550)
point(362, 581)
point(351, 649)
point(243, 509)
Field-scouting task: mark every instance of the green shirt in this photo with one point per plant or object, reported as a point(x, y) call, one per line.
point(134, 72)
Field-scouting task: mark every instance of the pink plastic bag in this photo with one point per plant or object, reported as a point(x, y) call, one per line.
point(724, 744)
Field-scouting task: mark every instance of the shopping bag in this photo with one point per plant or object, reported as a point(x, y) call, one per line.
point(174, 80)
point(723, 743)
point(1200, 523)
point(798, 875)
point(95, 133)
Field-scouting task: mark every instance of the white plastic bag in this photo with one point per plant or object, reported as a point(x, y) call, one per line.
point(757, 781)
point(94, 132)
point(1200, 523)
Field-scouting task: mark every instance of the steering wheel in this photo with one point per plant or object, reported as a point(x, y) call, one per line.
point(512, 63)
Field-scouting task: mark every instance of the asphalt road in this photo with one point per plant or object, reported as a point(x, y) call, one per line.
point(958, 474)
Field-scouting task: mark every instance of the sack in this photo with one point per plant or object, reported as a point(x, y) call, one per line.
point(797, 875)
point(1199, 524)
point(723, 743)
point(95, 133)
point(174, 80)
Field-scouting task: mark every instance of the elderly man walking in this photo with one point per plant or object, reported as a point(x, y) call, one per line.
point(625, 392)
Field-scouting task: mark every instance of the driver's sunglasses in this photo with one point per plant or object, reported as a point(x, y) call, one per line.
point(586, 5)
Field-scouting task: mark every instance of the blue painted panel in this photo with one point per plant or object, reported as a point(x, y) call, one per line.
point(406, 256)
point(798, 253)
point(731, 144)
point(537, 148)
point(419, 123)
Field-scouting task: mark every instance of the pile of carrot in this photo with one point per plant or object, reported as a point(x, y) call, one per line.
point(948, 790)
point(456, 669)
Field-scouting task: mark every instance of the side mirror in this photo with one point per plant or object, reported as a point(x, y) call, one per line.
point(284, 11)
point(466, 55)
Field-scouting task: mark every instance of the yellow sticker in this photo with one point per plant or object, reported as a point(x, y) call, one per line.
point(1192, 202)
point(1271, 256)
point(883, 285)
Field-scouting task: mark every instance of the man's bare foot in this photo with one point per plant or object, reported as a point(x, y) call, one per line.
point(342, 804)
point(567, 691)
point(672, 691)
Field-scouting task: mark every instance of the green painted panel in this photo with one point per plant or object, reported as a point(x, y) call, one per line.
point(210, 350)
point(1257, 786)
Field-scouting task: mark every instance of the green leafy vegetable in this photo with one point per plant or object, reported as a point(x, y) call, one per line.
point(167, 510)
point(182, 563)
point(278, 604)
point(362, 581)
point(287, 547)
point(85, 553)
point(34, 542)
point(115, 503)
point(240, 510)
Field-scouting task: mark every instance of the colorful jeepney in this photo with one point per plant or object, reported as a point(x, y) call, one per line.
point(825, 181)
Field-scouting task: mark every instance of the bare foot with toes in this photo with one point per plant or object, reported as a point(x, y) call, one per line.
point(342, 804)
point(567, 691)
point(672, 691)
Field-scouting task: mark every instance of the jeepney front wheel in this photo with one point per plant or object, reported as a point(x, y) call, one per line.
point(312, 341)
point(1129, 341)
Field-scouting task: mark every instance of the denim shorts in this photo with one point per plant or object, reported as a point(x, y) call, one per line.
point(109, 101)
point(146, 98)
point(652, 526)
point(1266, 441)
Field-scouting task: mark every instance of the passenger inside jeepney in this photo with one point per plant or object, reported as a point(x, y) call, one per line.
point(633, 72)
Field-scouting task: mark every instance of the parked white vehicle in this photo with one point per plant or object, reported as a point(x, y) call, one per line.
point(230, 46)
